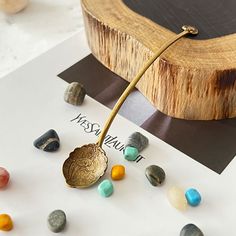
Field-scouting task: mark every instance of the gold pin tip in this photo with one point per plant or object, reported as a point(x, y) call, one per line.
point(191, 29)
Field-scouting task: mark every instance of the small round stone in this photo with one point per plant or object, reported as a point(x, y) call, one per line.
point(6, 223)
point(75, 94)
point(177, 198)
point(48, 142)
point(155, 175)
point(191, 230)
point(13, 6)
point(57, 221)
point(4, 177)
point(131, 153)
point(137, 140)
point(118, 172)
point(193, 197)
point(105, 188)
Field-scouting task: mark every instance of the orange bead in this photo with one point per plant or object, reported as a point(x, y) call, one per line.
point(6, 223)
point(117, 172)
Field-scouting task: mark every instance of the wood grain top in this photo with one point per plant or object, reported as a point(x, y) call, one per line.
point(193, 79)
point(213, 18)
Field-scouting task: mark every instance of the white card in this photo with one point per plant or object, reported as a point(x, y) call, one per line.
point(31, 102)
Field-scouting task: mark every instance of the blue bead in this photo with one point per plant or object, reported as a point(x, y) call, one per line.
point(105, 188)
point(193, 197)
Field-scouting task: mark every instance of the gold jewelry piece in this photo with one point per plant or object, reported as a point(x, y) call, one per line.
point(87, 164)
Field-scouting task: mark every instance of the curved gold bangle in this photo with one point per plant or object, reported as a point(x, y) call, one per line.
point(186, 30)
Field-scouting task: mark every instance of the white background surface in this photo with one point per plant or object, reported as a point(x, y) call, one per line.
point(42, 25)
point(31, 102)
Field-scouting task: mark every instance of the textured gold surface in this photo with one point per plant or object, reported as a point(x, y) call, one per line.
point(85, 166)
point(191, 29)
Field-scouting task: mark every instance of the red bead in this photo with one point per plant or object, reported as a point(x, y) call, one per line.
point(4, 177)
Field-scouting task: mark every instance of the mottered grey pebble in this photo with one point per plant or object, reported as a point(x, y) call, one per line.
point(57, 221)
point(191, 230)
point(74, 94)
point(155, 175)
point(48, 142)
point(137, 140)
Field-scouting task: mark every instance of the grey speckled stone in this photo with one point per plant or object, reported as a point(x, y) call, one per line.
point(75, 93)
point(57, 221)
point(191, 230)
point(48, 142)
point(137, 140)
point(155, 174)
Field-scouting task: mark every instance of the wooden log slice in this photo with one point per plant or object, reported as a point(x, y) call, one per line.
point(193, 79)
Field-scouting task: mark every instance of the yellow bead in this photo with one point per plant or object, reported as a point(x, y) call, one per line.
point(117, 172)
point(6, 223)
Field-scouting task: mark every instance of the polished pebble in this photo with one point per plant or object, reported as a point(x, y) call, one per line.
point(57, 221)
point(177, 198)
point(13, 6)
point(155, 175)
point(48, 142)
point(105, 188)
point(75, 94)
point(191, 230)
point(118, 172)
point(4, 177)
point(131, 153)
point(193, 197)
point(137, 140)
point(6, 223)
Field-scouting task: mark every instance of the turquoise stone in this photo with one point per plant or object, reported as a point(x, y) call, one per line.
point(131, 153)
point(193, 197)
point(105, 188)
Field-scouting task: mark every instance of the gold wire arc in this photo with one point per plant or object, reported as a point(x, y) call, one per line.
point(186, 30)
